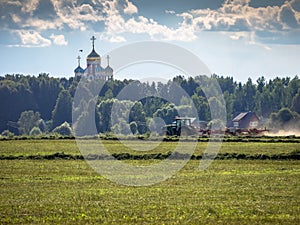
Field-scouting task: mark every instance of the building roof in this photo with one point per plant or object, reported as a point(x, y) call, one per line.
point(241, 116)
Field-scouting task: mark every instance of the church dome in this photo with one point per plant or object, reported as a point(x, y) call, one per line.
point(93, 54)
point(79, 70)
point(108, 69)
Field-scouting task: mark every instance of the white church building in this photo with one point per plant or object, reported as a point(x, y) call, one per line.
point(94, 70)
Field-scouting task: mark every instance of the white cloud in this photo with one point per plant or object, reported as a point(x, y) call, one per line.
point(170, 11)
point(59, 39)
point(14, 2)
point(86, 12)
point(288, 16)
point(158, 31)
point(237, 35)
point(30, 38)
point(15, 18)
point(112, 38)
point(116, 26)
point(130, 8)
point(77, 17)
point(40, 24)
point(234, 17)
point(28, 6)
point(66, 14)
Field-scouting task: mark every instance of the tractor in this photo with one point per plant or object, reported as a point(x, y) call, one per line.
point(181, 126)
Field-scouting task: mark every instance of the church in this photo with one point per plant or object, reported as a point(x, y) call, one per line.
point(94, 70)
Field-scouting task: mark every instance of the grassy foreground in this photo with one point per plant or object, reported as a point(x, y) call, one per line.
point(70, 192)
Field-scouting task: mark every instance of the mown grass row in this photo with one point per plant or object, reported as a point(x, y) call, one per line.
point(112, 137)
point(294, 155)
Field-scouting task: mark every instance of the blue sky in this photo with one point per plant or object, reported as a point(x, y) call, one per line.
point(239, 38)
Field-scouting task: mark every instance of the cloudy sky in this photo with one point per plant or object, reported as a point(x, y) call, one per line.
point(239, 38)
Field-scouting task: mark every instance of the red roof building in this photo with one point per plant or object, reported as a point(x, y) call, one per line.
point(246, 120)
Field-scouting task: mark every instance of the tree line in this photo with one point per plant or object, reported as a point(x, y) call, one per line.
point(34, 104)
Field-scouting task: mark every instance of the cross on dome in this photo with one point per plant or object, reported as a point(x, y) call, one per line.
point(108, 59)
point(78, 58)
point(93, 41)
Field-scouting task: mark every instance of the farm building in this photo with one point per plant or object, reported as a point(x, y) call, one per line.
point(245, 120)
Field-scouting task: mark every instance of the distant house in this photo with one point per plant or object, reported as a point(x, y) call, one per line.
point(246, 120)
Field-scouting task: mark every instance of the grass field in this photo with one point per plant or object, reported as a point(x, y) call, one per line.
point(70, 192)
point(34, 147)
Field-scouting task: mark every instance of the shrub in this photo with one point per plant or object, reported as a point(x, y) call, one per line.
point(7, 133)
point(35, 131)
point(64, 129)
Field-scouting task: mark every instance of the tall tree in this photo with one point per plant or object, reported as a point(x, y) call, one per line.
point(28, 120)
point(239, 102)
point(202, 107)
point(260, 83)
point(249, 95)
point(296, 102)
point(63, 109)
point(167, 113)
point(103, 115)
point(45, 90)
point(137, 114)
point(15, 98)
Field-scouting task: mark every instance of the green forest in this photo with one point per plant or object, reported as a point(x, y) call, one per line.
point(41, 104)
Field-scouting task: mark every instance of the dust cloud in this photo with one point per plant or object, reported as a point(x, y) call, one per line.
point(283, 133)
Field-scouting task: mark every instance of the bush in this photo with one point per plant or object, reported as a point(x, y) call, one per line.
point(35, 131)
point(7, 133)
point(64, 129)
point(284, 119)
point(121, 128)
point(133, 127)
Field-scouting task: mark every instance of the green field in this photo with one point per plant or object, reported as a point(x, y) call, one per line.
point(34, 147)
point(70, 192)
